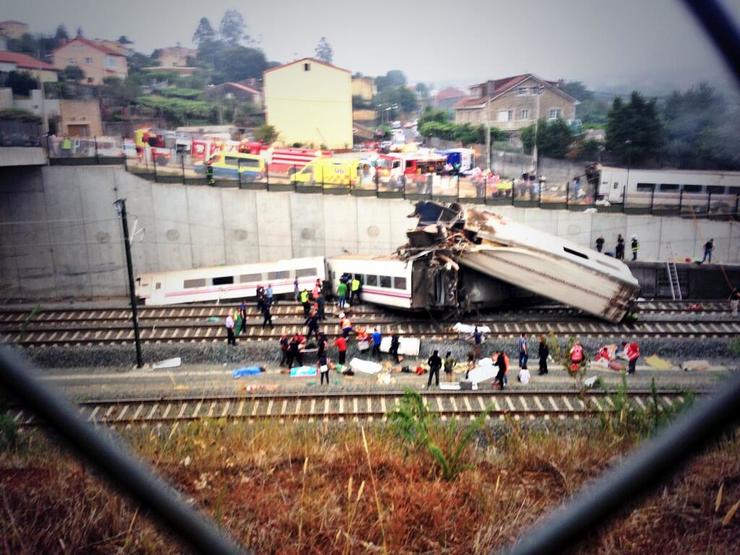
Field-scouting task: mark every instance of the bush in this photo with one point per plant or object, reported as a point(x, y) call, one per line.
point(21, 82)
point(14, 114)
point(266, 133)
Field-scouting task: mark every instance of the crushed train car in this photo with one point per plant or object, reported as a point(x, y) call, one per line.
point(453, 238)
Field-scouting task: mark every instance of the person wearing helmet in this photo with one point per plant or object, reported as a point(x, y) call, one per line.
point(635, 247)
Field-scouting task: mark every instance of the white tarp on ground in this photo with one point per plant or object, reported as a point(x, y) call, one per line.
point(365, 366)
point(485, 370)
point(167, 363)
point(408, 346)
point(449, 386)
point(469, 328)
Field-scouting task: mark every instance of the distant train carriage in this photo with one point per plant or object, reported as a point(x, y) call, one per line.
point(386, 280)
point(228, 282)
point(670, 188)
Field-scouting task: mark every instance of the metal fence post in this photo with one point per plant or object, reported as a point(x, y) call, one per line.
point(539, 193)
point(267, 175)
point(737, 205)
point(652, 198)
point(154, 163)
point(182, 166)
point(239, 171)
point(567, 194)
point(97, 158)
point(709, 203)
point(680, 201)
point(458, 186)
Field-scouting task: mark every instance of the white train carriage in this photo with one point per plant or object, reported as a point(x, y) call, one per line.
point(715, 190)
point(228, 282)
point(386, 280)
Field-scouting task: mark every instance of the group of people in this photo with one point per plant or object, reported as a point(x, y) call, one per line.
point(236, 320)
point(619, 247)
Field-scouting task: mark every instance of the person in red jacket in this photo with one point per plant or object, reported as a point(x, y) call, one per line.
point(341, 344)
point(633, 353)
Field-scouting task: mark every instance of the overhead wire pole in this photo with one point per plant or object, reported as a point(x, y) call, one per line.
point(120, 205)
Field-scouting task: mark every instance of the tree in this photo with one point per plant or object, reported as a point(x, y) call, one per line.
point(72, 73)
point(232, 28)
point(61, 36)
point(576, 89)
point(79, 31)
point(237, 63)
point(401, 97)
point(324, 51)
point(266, 133)
point(392, 79)
point(634, 130)
point(430, 114)
point(21, 83)
point(204, 32)
point(123, 39)
point(554, 138)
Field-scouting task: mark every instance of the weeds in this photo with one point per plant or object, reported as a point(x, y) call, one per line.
point(8, 428)
point(413, 423)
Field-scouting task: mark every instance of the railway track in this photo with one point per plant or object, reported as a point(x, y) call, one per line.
point(203, 323)
point(348, 407)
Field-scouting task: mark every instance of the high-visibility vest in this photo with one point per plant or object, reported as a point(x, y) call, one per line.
point(304, 296)
point(355, 284)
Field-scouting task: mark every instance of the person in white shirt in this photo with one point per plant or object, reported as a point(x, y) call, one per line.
point(231, 338)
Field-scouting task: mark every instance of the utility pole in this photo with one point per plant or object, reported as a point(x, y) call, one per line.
point(120, 205)
point(488, 131)
point(535, 150)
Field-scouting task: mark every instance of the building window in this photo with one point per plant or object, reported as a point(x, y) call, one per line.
point(88, 60)
point(553, 113)
point(504, 115)
point(110, 62)
point(522, 91)
point(523, 113)
point(72, 62)
point(306, 67)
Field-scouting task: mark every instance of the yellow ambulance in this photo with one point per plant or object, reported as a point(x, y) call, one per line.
point(328, 171)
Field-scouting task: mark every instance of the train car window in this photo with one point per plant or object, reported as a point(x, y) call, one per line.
point(250, 278)
point(223, 280)
point(716, 189)
point(385, 281)
point(371, 280)
point(159, 285)
point(306, 272)
point(282, 274)
point(399, 283)
point(576, 253)
point(668, 187)
point(646, 187)
point(692, 188)
point(190, 283)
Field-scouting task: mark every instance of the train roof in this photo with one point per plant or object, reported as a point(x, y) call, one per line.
point(673, 171)
point(240, 268)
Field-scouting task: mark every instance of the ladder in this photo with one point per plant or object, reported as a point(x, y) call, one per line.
point(673, 276)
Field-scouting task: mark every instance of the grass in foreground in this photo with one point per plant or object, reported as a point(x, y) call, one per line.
point(301, 488)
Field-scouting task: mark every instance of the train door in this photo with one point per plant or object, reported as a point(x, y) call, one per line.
point(613, 184)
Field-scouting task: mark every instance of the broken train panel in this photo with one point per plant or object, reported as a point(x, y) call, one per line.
point(523, 257)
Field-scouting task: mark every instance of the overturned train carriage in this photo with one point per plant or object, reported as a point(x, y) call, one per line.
point(516, 255)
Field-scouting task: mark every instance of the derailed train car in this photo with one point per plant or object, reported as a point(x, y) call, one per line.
point(523, 257)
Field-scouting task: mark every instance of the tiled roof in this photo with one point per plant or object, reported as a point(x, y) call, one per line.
point(470, 102)
point(449, 92)
point(103, 48)
point(503, 85)
point(313, 60)
point(24, 61)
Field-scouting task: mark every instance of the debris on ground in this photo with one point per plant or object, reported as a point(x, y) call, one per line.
point(654, 361)
point(247, 371)
point(365, 366)
point(167, 363)
point(695, 365)
point(303, 372)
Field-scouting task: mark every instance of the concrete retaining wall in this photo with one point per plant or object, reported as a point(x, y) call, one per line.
point(60, 235)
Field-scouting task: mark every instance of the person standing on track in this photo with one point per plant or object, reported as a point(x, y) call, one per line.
point(341, 294)
point(355, 296)
point(296, 289)
point(449, 365)
point(734, 301)
point(243, 314)
point(313, 325)
point(633, 353)
point(619, 250)
point(395, 344)
point(599, 243)
point(708, 248)
point(523, 346)
point(268, 294)
point(320, 303)
point(501, 374)
point(377, 338)
point(544, 352)
point(435, 363)
point(341, 345)
point(229, 323)
point(266, 315)
point(305, 302)
point(323, 369)
point(635, 245)
point(477, 341)
point(284, 342)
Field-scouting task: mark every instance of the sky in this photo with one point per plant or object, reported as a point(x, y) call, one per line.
point(607, 44)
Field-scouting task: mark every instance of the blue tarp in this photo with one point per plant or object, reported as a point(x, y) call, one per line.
point(247, 371)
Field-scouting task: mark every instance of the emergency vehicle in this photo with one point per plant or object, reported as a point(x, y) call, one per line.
point(328, 171)
point(234, 165)
point(290, 160)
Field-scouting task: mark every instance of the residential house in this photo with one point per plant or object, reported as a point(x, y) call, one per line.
point(238, 91)
point(80, 118)
point(447, 98)
point(309, 101)
point(175, 56)
point(3, 42)
point(364, 88)
point(15, 61)
point(13, 29)
point(94, 58)
point(513, 103)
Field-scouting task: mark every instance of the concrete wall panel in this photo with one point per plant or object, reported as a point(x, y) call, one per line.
point(274, 222)
point(206, 218)
point(307, 223)
point(340, 226)
point(240, 226)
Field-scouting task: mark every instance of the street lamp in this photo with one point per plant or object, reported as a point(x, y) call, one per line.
point(120, 205)
point(628, 148)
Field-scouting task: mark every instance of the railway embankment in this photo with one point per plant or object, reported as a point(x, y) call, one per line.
point(61, 236)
